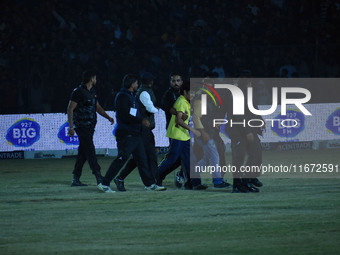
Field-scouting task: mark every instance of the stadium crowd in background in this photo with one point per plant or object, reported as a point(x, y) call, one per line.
point(45, 45)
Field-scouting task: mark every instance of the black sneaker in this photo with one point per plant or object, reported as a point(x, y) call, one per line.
point(222, 185)
point(239, 189)
point(179, 180)
point(256, 182)
point(200, 187)
point(251, 188)
point(77, 183)
point(120, 184)
point(187, 186)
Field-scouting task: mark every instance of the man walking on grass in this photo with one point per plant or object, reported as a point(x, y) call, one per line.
point(129, 137)
point(82, 117)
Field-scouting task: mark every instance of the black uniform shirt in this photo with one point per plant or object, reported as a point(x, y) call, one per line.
point(168, 100)
point(85, 113)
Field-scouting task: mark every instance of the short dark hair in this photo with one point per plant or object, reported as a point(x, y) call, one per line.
point(174, 74)
point(128, 79)
point(147, 77)
point(88, 75)
point(185, 87)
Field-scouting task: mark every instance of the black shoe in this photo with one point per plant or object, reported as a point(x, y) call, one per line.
point(200, 187)
point(179, 180)
point(99, 177)
point(239, 189)
point(120, 184)
point(222, 185)
point(187, 186)
point(251, 188)
point(77, 183)
point(256, 182)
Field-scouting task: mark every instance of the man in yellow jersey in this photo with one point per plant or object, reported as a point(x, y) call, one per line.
point(178, 132)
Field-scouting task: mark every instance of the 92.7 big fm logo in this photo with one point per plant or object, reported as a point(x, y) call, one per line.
point(65, 138)
point(294, 124)
point(333, 122)
point(23, 133)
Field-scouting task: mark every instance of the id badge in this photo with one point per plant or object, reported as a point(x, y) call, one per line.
point(133, 112)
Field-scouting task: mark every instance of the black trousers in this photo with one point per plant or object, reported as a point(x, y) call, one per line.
point(220, 147)
point(127, 145)
point(86, 151)
point(150, 149)
point(239, 148)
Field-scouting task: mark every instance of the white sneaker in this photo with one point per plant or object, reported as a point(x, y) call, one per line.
point(105, 188)
point(154, 187)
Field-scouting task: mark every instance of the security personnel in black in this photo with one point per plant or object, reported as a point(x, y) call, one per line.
point(170, 96)
point(82, 117)
point(244, 140)
point(168, 100)
point(129, 136)
point(147, 101)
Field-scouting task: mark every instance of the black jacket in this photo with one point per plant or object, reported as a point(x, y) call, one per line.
point(145, 114)
point(128, 115)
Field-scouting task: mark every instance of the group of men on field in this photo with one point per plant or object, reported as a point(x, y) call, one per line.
point(135, 108)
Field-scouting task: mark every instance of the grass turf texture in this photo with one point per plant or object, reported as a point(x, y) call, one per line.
point(41, 214)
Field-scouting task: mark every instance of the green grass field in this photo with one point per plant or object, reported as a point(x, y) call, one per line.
point(41, 214)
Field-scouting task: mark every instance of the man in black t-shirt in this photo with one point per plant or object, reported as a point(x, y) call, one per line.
point(168, 100)
point(82, 117)
point(170, 96)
